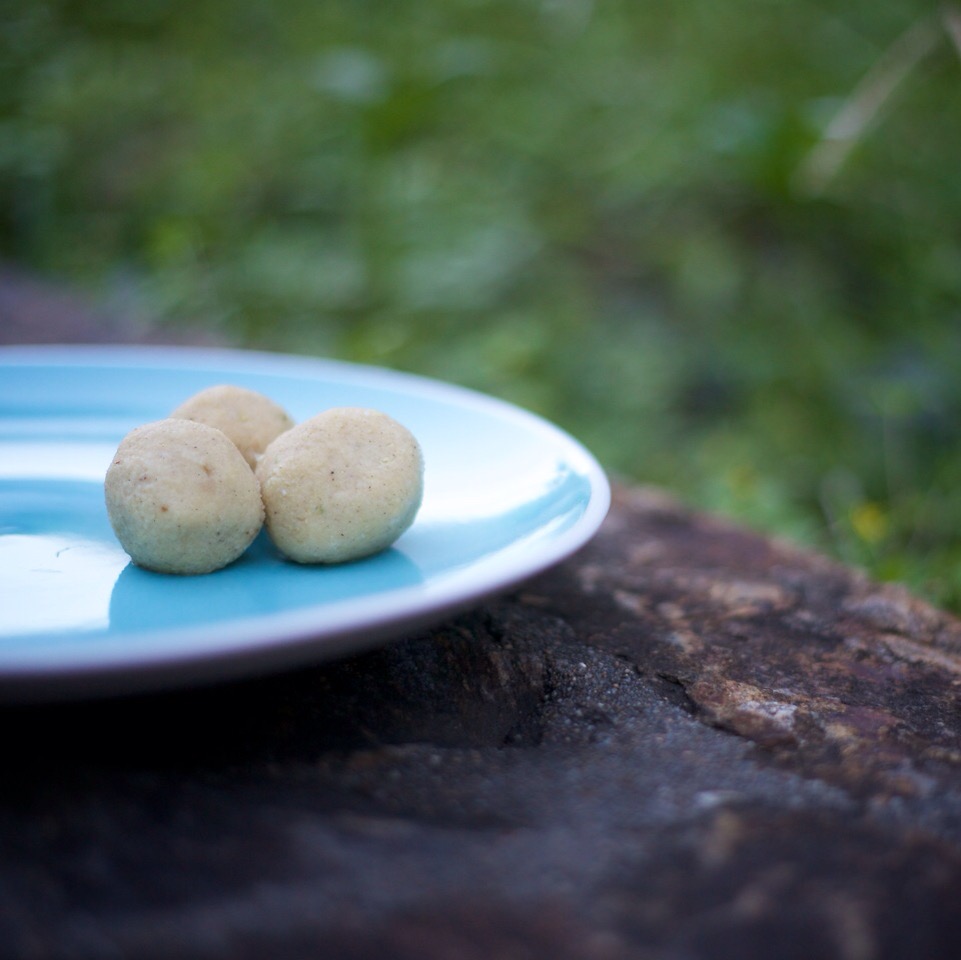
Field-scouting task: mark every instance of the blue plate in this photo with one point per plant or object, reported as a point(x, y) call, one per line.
point(506, 495)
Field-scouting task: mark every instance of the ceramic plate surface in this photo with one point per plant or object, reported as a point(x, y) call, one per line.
point(506, 495)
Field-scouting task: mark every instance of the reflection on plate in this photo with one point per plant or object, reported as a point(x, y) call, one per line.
point(506, 495)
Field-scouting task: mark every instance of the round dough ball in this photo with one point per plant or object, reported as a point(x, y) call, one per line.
point(342, 485)
point(249, 418)
point(181, 498)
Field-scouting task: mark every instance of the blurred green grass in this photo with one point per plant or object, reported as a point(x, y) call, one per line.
point(721, 244)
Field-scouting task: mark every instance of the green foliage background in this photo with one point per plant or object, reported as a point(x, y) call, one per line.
point(720, 243)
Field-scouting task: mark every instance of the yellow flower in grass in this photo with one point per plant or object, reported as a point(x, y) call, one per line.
point(869, 521)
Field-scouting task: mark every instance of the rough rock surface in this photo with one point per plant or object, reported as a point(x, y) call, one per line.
point(687, 741)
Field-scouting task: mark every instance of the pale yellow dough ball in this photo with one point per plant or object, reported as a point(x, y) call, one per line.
point(181, 498)
point(249, 418)
point(342, 485)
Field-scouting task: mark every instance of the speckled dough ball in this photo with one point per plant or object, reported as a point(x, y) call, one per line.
point(181, 498)
point(342, 485)
point(249, 418)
